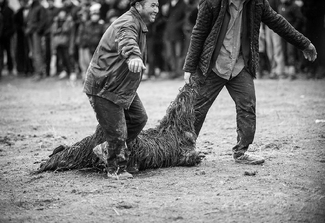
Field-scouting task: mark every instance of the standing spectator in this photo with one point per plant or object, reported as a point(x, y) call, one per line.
point(106, 6)
point(191, 15)
point(174, 36)
point(7, 33)
point(1, 52)
point(314, 12)
point(121, 6)
point(72, 9)
point(62, 28)
point(224, 53)
point(95, 28)
point(52, 12)
point(89, 35)
point(291, 12)
point(24, 62)
point(264, 65)
point(155, 44)
point(82, 38)
point(36, 27)
point(274, 49)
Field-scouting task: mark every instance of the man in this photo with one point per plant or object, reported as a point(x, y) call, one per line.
point(112, 79)
point(274, 49)
point(52, 12)
point(35, 28)
point(224, 52)
point(314, 12)
point(1, 52)
point(8, 31)
point(174, 36)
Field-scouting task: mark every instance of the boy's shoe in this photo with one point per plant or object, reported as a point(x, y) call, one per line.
point(122, 175)
point(118, 175)
point(250, 159)
point(112, 175)
point(101, 151)
point(132, 169)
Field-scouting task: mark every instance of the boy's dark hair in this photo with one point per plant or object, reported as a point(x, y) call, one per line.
point(132, 2)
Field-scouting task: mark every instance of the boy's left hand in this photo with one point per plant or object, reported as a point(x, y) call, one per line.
point(310, 52)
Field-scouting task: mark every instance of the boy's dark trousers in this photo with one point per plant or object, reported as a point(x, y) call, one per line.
point(120, 125)
point(242, 91)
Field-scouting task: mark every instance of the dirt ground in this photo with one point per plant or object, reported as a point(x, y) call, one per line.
point(35, 117)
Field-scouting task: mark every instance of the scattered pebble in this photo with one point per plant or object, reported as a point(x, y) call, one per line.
point(250, 173)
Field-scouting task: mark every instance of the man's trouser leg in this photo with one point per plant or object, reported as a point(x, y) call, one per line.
point(241, 89)
point(112, 119)
point(120, 125)
point(208, 90)
point(136, 118)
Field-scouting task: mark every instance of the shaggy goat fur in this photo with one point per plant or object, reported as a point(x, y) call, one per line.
point(171, 143)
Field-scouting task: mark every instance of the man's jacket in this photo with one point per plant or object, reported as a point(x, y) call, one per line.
point(205, 40)
point(108, 75)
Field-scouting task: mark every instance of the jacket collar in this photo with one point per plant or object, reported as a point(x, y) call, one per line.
point(232, 1)
point(138, 16)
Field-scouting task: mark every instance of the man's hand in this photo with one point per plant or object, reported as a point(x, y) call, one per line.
point(187, 76)
point(136, 65)
point(310, 52)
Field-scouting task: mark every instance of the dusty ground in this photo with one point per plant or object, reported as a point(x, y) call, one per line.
point(290, 187)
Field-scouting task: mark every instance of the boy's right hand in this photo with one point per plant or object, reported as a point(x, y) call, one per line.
point(136, 65)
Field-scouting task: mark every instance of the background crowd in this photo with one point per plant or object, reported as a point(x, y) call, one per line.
point(47, 38)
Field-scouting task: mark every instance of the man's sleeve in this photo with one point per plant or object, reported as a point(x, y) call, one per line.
point(282, 27)
point(127, 44)
point(199, 34)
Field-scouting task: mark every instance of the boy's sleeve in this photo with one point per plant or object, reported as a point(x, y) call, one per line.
point(127, 44)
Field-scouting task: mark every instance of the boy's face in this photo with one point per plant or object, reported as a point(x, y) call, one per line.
point(148, 10)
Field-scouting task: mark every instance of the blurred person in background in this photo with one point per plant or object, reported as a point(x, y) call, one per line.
point(224, 52)
point(24, 63)
point(314, 12)
point(111, 16)
point(111, 84)
point(96, 27)
point(89, 35)
point(189, 22)
point(52, 12)
point(155, 42)
point(116, 9)
point(292, 57)
point(121, 6)
point(1, 55)
point(264, 64)
point(72, 7)
point(274, 48)
point(62, 44)
point(174, 37)
point(106, 5)
point(8, 31)
point(36, 26)
point(82, 37)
